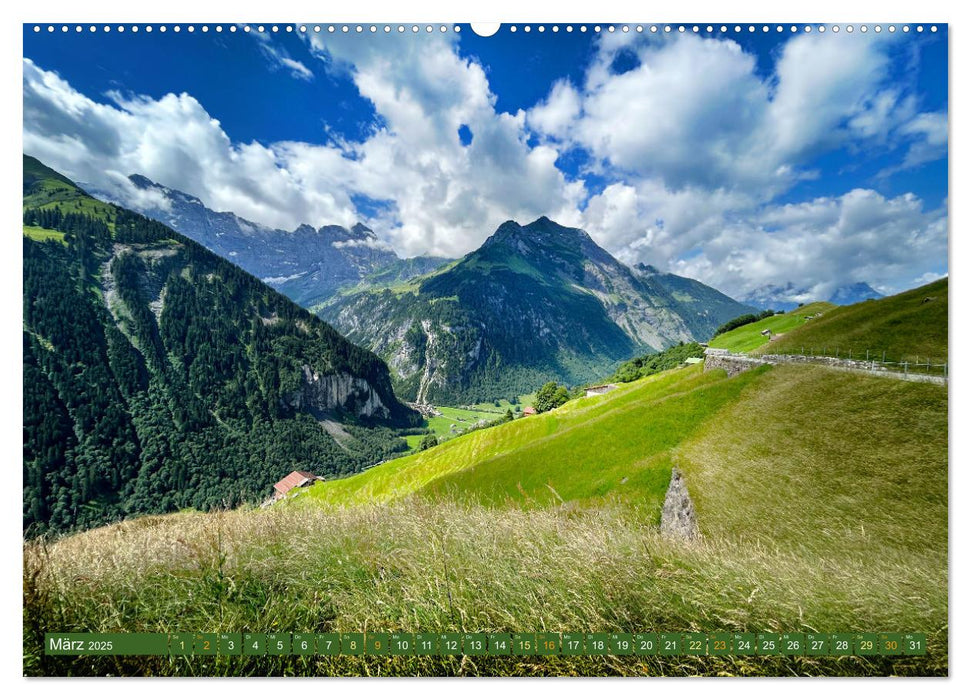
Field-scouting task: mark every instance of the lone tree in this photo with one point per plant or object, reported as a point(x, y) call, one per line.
point(550, 396)
point(427, 441)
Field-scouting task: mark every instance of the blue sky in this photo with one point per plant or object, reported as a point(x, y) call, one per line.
point(741, 159)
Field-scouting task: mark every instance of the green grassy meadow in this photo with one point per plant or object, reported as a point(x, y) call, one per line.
point(461, 418)
point(822, 499)
point(455, 421)
point(524, 400)
point(749, 337)
point(580, 451)
point(50, 192)
point(43, 234)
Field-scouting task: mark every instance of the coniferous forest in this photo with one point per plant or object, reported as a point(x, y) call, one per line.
point(158, 376)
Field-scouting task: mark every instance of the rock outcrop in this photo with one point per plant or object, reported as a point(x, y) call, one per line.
point(678, 520)
point(320, 393)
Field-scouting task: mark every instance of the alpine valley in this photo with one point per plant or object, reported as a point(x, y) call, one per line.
point(261, 442)
point(534, 302)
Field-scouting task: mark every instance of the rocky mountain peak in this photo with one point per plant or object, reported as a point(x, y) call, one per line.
point(854, 293)
point(142, 182)
point(176, 197)
point(645, 270)
point(543, 231)
point(362, 231)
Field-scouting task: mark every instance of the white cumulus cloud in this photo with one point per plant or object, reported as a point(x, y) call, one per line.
point(698, 143)
point(692, 150)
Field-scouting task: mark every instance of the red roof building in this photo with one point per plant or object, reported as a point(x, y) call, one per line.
point(292, 481)
point(529, 411)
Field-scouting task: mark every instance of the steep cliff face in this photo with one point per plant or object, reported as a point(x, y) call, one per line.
point(321, 393)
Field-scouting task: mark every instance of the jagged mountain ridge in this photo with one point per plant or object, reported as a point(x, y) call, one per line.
point(853, 294)
point(306, 264)
point(786, 297)
point(533, 303)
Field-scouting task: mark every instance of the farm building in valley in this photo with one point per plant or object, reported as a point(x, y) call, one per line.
point(529, 411)
point(293, 480)
point(598, 390)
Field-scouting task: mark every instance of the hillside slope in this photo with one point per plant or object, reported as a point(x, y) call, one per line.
point(581, 451)
point(158, 376)
point(865, 457)
point(533, 303)
point(838, 496)
point(622, 445)
point(905, 326)
point(749, 337)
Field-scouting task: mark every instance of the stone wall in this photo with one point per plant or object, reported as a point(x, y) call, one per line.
point(871, 367)
point(732, 364)
point(736, 364)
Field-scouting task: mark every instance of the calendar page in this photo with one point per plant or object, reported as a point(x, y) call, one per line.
point(447, 349)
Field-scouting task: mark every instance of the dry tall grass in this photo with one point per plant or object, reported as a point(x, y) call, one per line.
point(425, 566)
